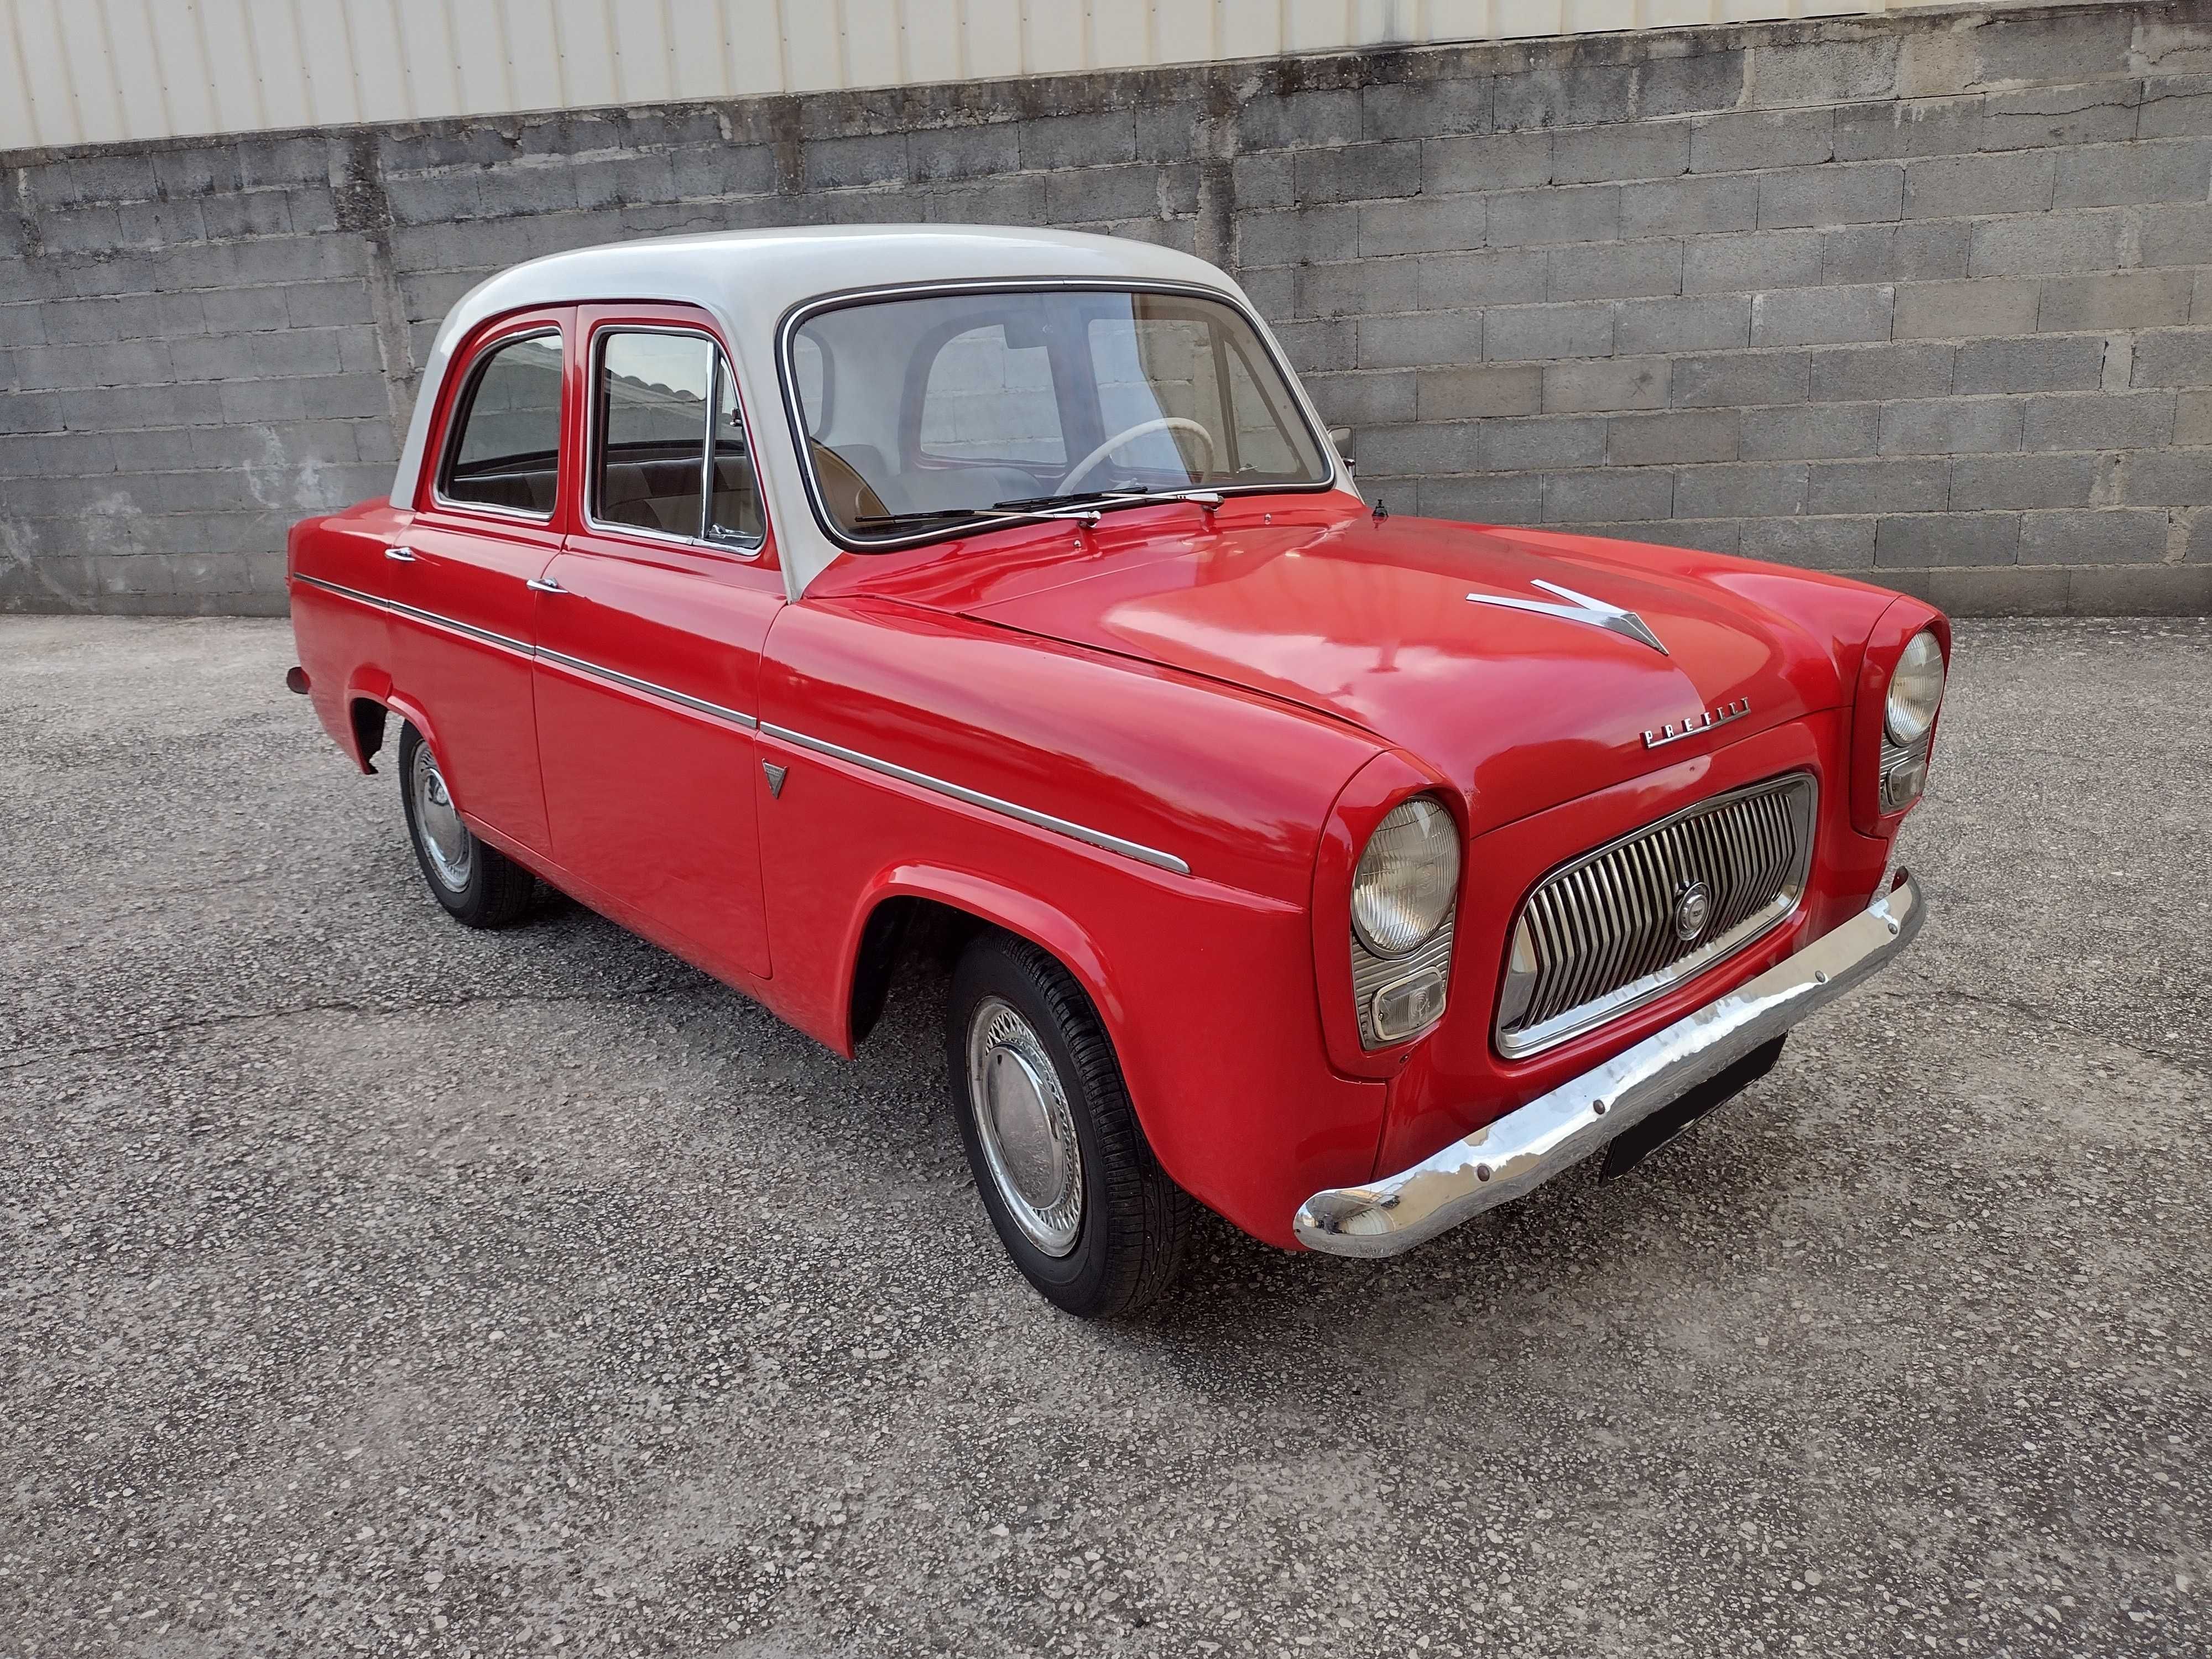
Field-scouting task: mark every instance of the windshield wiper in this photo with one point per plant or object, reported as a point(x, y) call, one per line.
point(1005, 512)
point(1135, 495)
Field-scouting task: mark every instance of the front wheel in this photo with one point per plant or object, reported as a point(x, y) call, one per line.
point(479, 885)
point(1063, 1166)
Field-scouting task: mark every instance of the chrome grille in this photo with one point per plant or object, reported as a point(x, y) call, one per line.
point(1371, 973)
point(1599, 937)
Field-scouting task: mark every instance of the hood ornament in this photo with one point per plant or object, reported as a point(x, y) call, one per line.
point(1580, 608)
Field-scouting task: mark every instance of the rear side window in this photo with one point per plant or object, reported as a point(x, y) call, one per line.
point(671, 456)
point(506, 452)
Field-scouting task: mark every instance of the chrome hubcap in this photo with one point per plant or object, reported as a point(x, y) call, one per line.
point(446, 840)
point(1027, 1130)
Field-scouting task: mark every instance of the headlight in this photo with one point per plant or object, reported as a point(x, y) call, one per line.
point(1407, 876)
point(1915, 691)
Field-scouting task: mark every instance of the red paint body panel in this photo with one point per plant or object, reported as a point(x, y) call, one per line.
point(1247, 691)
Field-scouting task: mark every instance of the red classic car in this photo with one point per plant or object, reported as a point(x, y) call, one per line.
point(797, 598)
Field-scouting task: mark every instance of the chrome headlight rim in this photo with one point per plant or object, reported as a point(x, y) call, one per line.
point(1914, 693)
point(1395, 920)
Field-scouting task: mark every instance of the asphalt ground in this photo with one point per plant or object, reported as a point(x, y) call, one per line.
point(370, 1285)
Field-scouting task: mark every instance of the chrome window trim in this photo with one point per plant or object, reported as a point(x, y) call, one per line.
point(1098, 838)
point(788, 328)
point(1626, 998)
point(1084, 833)
point(477, 364)
point(737, 547)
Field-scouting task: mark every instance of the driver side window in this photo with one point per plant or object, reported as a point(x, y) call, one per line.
point(992, 398)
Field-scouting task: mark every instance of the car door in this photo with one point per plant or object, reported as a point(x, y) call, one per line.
point(458, 578)
point(649, 630)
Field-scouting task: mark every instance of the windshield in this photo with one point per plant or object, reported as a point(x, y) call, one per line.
point(923, 414)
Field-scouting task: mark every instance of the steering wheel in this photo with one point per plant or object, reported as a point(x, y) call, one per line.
point(1163, 423)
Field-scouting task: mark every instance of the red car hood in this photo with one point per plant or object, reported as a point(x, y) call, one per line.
point(1373, 623)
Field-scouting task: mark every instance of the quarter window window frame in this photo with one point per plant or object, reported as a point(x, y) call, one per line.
point(457, 422)
point(723, 373)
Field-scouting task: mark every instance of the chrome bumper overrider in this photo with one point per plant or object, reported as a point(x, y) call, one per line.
point(1525, 1148)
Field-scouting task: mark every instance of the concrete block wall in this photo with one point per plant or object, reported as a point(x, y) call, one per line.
point(1927, 297)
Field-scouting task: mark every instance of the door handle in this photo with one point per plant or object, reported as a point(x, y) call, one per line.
point(545, 585)
point(401, 555)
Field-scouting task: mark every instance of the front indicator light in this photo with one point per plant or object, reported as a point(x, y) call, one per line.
point(1404, 1007)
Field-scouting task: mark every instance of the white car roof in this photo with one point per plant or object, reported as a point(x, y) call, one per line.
point(746, 280)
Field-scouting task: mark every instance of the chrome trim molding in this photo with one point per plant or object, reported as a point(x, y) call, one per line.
point(1097, 838)
point(1580, 608)
point(1526, 1147)
point(615, 676)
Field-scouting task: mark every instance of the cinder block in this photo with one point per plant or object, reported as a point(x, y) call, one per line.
point(1422, 340)
point(1353, 288)
point(113, 176)
point(1677, 436)
point(1832, 71)
point(1507, 161)
point(1821, 316)
point(1697, 82)
point(842, 163)
point(1617, 270)
point(1364, 399)
point(69, 368)
point(1904, 369)
point(1607, 383)
point(1434, 447)
point(1951, 426)
point(1507, 499)
point(1964, 309)
point(2179, 235)
point(1736, 380)
point(1316, 348)
point(1810, 432)
point(1360, 172)
point(1576, 95)
point(333, 397)
point(1900, 483)
point(1908, 126)
point(265, 160)
point(1422, 109)
point(99, 321)
point(1078, 194)
point(2048, 362)
point(55, 455)
point(1717, 264)
point(1949, 187)
point(1268, 179)
point(111, 409)
point(1757, 139)
point(1690, 207)
point(1576, 213)
point(30, 411)
point(74, 230)
point(1810, 543)
point(2096, 113)
point(1922, 540)
point(1858, 193)
point(1511, 277)
point(2139, 590)
point(1743, 491)
point(2119, 299)
point(1701, 323)
point(2107, 175)
point(1516, 445)
point(2112, 535)
point(1705, 535)
point(1321, 117)
point(1621, 150)
point(2192, 418)
point(2025, 46)
point(1986, 481)
point(2165, 478)
point(2098, 420)
point(2173, 357)
point(1468, 394)
point(1298, 237)
point(1612, 494)
point(159, 449)
point(1427, 224)
point(312, 305)
point(1519, 332)
point(2175, 106)
point(1099, 139)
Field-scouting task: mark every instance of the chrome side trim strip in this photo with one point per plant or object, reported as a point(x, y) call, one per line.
point(1097, 838)
point(1525, 1148)
point(698, 704)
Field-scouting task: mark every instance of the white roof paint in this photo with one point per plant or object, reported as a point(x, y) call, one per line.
point(747, 280)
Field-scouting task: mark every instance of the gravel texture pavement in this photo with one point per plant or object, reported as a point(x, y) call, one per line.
point(369, 1285)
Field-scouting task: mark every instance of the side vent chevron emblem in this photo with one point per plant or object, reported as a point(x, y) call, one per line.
point(776, 777)
point(1580, 608)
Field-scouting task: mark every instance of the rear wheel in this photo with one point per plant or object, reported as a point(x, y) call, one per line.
point(479, 885)
point(1065, 1173)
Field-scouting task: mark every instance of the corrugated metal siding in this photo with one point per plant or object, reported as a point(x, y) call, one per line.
point(89, 71)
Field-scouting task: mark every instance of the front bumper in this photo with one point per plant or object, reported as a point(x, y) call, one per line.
point(1525, 1148)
